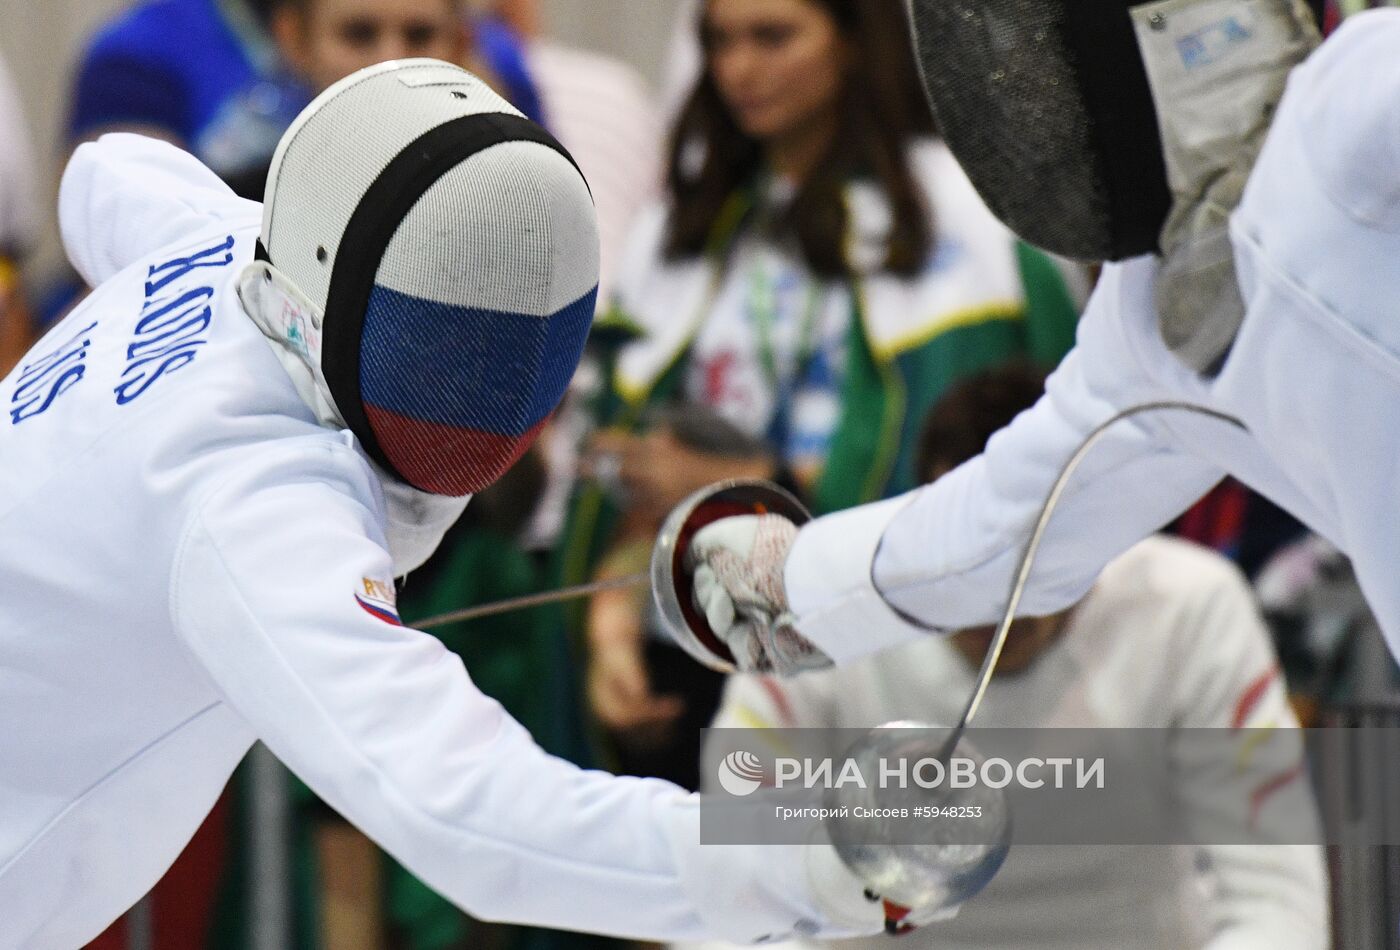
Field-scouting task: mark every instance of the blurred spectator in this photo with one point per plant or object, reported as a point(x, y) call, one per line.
point(18, 222)
point(326, 40)
point(200, 73)
point(203, 74)
point(597, 106)
point(522, 16)
point(819, 271)
point(1168, 638)
point(1238, 522)
point(817, 245)
point(207, 74)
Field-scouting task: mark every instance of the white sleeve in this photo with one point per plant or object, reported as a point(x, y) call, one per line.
point(944, 555)
point(126, 196)
point(1263, 897)
point(385, 725)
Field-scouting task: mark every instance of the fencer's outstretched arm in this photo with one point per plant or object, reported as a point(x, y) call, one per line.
point(945, 555)
point(280, 593)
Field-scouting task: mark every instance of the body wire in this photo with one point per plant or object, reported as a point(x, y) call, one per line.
point(1047, 510)
point(534, 600)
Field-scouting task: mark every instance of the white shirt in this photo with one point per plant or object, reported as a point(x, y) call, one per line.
point(770, 355)
point(1167, 638)
point(188, 561)
point(1314, 376)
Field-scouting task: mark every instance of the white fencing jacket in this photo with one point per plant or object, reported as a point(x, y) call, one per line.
point(188, 561)
point(1314, 375)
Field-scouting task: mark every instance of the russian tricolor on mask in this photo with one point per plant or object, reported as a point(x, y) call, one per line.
point(450, 247)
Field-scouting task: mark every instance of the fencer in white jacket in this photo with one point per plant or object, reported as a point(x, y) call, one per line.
point(1313, 376)
point(197, 550)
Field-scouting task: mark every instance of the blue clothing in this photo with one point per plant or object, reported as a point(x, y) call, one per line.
point(504, 53)
point(205, 72)
point(201, 69)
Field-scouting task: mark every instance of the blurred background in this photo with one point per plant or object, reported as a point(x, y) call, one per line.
point(42, 40)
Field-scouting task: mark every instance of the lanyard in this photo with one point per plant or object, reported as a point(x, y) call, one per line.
point(763, 313)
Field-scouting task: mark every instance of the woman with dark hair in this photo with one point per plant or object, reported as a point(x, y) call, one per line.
point(820, 96)
point(819, 272)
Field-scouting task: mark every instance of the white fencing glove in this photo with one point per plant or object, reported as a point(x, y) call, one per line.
point(737, 566)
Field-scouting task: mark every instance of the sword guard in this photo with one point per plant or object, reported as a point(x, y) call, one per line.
point(672, 585)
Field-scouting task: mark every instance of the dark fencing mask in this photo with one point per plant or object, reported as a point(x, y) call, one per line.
point(1104, 129)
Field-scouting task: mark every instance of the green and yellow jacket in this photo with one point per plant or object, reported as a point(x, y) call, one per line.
point(985, 297)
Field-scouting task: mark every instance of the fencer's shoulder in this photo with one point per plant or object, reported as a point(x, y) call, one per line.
point(1363, 44)
point(1342, 106)
point(128, 150)
point(126, 196)
point(288, 456)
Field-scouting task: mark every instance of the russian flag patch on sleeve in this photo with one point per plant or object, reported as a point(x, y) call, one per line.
point(378, 599)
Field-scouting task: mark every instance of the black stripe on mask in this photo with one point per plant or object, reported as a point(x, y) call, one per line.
point(376, 218)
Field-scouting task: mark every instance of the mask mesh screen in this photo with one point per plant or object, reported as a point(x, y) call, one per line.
point(1011, 102)
point(478, 316)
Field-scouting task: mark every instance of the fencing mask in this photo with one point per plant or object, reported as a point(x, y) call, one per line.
point(1104, 129)
point(428, 265)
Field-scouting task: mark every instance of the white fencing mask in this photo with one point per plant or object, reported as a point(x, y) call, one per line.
point(431, 257)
